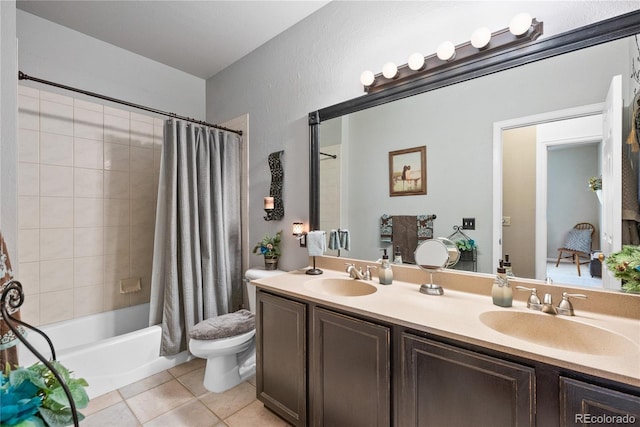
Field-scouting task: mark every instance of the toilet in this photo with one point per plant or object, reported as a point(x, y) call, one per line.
point(230, 360)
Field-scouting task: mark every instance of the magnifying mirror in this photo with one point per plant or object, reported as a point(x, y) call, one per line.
point(433, 255)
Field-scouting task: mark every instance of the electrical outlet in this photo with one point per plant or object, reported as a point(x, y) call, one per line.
point(468, 223)
point(506, 221)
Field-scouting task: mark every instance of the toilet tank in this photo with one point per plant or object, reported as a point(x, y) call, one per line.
point(254, 274)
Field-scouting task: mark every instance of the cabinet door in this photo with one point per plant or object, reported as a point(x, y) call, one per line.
point(442, 385)
point(350, 371)
point(586, 404)
point(281, 356)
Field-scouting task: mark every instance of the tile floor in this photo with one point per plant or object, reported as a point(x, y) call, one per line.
point(177, 398)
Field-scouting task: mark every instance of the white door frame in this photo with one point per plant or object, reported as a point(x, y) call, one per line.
point(541, 196)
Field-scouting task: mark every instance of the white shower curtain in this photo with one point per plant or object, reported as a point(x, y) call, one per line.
point(197, 272)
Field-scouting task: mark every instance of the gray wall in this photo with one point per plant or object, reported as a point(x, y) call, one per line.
point(317, 63)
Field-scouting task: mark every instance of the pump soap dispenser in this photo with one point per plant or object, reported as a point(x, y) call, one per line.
point(501, 289)
point(385, 273)
point(397, 257)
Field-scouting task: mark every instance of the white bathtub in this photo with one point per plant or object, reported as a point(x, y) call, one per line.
point(109, 350)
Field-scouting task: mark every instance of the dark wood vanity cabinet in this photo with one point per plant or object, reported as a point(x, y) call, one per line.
point(582, 404)
point(350, 371)
point(443, 385)
point(281, 356)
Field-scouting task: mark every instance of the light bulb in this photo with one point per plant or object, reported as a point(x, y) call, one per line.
point(367, 78)
point(520, 24)
point(446, 51)
point(389, 70)
point(480, 37)
point(416, 61)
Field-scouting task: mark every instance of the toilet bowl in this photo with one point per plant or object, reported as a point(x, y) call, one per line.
point(231, 360)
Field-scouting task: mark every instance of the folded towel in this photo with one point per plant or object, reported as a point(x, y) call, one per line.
point(225, 326)
point(386, 228)
point(334, 242)
point(345, 239)
point(316, 243)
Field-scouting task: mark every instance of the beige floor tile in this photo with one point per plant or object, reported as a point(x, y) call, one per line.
point(187, 367)
point(148, 383)
point(231, 401)
point(101, 402)
point(194, 382)
point(191, 414)
point(252, 380)
point(115, 415)
point(159, 400)
point(255, 415)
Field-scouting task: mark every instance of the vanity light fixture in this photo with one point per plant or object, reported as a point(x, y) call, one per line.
point(298, 231)
point(522, 29)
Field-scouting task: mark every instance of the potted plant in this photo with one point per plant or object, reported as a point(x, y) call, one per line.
point(595, 184)
point(625, 265)
point(269, 247)
point(33, 396)
point(466, 248)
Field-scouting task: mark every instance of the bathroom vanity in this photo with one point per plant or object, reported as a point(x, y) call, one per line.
point(329, 353)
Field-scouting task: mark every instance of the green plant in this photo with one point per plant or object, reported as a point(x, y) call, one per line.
point(625, 266)
point(595, 183)
point(466, 245)
point(33, 396)
point(269, 246)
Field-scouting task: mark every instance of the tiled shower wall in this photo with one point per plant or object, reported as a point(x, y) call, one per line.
point(87, 189)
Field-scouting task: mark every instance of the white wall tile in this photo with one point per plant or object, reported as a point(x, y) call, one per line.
point(158, 133)
point(56, 275)
point(116, 267)
point(116, 212)
point(56, 181)
point(143, 212)
point(55, 306)
point(56, 243)
point(30, 277)
point(56, 118)
point(86, 105)
point(56, 212)
point(141, 134)
point(30, 310)
point(28, 112)
point(88, 212)
point(142, 186)
point(28, 179)
point(117, 241)
point(88, 271)
point(116, 112)
point(88, 241)
point(28, 146)
point(28, 212)
point(113, 299)
point(56, 97)
point(116, 157)
point(116, 184)
point(141, 159)
point(116, 129)
point(28, 91)
point(88, 182)
point(28, 245)
point(142, 118)
point(56, 149)
point(88, 124)
point(88, 153)
point(88, 300)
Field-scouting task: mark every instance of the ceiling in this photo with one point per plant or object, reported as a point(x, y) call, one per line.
point(198, 37)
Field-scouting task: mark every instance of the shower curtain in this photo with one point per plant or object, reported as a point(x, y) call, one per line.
point(197, 272)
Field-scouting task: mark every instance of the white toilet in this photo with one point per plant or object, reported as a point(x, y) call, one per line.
point(231, 360)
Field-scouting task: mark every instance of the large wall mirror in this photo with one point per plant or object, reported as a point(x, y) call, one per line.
point(459, 115)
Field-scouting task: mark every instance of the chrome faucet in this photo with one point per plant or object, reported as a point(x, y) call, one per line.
point(565, 307)
point(358, 273)
point(533, 302)
point(547, 305)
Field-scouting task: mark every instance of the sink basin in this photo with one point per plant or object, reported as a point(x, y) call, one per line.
point(340, 287)
point(559, 333)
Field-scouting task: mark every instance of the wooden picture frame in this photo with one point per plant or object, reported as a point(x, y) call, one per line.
point(408, 172)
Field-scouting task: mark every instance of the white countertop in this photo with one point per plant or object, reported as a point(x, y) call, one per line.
point(455, 315)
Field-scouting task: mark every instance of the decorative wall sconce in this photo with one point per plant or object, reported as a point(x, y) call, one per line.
point(273, 205)
point(522, 29)
point(298, 231)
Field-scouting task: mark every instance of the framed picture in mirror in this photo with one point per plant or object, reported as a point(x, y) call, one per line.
point(408, 172)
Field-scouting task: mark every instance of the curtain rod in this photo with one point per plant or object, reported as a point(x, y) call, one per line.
point(23, 76)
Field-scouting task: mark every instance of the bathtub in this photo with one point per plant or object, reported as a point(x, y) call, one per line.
point(109, 350)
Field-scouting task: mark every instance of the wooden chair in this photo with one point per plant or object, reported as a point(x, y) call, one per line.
point(579, 250)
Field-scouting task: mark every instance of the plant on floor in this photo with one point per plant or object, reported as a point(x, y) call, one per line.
point(269, 246)
point(625, 266)
point(33, 396)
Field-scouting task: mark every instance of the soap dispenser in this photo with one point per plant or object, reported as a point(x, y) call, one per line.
point(501, 289)
point(397, 257)
point(385, 273)
point(507, 267)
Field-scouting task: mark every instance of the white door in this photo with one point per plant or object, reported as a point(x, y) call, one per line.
point(611, 233)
